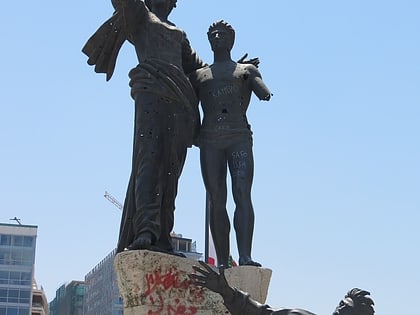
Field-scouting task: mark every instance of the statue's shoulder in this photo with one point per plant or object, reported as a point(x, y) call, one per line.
point(203, 71)
point(247, 67)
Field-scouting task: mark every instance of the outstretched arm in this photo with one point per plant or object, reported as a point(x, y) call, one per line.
point(237, 302)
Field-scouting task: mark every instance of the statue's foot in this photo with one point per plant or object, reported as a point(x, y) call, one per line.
point(143, 241)
point(247, 261)
point(223, 265)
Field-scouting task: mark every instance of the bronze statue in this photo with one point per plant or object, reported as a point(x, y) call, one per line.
point(356, 301)
point(166, 114)
point(224, 90)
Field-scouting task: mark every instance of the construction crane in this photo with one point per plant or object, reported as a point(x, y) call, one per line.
point(113, 200)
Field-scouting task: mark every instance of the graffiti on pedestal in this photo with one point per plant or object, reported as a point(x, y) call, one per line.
point(172, 293)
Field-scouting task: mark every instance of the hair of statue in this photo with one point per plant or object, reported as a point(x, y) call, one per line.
point(361, 301)
point(149, 4)
point(225, 25)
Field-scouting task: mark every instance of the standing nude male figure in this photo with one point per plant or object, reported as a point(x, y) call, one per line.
point(224, 90)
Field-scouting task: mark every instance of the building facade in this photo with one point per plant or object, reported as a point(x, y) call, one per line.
point(39, 301)
point(102, 296)
point(17, 262)
point(68, 299)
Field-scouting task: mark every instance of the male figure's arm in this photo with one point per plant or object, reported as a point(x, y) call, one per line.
point(133, 13)
point(236, 301)
point(193, 78)
point(258, 85)
point(190, 60)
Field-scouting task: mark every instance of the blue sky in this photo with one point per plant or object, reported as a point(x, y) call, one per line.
point(337, 156)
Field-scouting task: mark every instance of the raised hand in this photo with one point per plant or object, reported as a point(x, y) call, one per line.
point(252, 61)
point(210, 279)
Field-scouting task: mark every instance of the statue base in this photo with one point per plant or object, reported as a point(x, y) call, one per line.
point(153, 283)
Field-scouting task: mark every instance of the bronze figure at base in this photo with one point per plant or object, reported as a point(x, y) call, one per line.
point(356, 301)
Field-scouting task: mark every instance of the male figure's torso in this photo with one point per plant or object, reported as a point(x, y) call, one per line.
point(224, 90)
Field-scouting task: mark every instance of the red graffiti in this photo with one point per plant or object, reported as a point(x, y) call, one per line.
point(158, 282)
point(158, 311)
point(166, 281)
point(196, 294)
point(181, 310)
point(177, 309)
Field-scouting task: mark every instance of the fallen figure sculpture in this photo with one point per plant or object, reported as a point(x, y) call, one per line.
point(356, 301)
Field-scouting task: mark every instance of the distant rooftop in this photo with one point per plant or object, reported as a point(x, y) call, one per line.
point(18, 229)
point(18, 225)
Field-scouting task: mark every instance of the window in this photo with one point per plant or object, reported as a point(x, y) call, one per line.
point(4, 277)
point(27, 258)
point(16, 256)
point(3, 296)
point(24, 296)
point(14, 277)
point(25, 278)
point(12, 311)
point(183, 246)
point(13, 297)
point(5, 257)
point(17, 240)
point(23, 311)
point(27, 241)
point(5, 239)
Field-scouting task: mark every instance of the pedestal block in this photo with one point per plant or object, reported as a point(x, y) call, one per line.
point(153, 283)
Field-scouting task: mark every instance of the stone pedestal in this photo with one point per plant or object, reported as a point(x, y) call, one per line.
point(152, 283)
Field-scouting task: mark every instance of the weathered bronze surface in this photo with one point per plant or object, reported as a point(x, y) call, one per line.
point(166, 114)
point(224, 90)
point(356, 301)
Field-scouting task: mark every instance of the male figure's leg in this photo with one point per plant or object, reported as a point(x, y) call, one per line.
point(241, 167)
point(214, 170)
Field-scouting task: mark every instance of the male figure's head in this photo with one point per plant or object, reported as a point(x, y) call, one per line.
point(221, 36)
point(356, 302)
point(161, 5)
